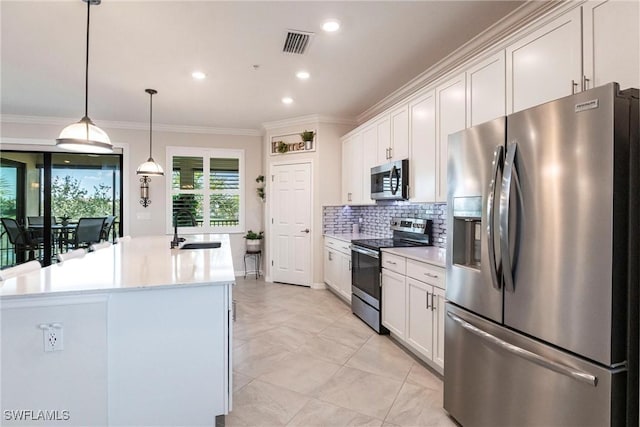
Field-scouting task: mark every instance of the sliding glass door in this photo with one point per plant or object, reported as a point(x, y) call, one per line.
point(47, 193)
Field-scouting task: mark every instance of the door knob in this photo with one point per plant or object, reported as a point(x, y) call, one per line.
point(306, 230)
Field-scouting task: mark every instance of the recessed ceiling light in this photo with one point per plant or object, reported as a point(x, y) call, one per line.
point(67, 161)
point(303, 75)
point(331, 25)
point(287, 100)
point(198, 75)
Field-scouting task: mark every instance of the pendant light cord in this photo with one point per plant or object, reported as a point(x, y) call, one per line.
point(150, 124)
point(86, 67)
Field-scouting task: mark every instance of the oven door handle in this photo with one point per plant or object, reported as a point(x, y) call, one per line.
point(369, 252)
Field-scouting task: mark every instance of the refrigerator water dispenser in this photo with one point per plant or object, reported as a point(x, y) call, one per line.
point(467, 231)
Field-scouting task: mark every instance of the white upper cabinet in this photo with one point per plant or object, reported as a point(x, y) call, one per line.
point(611, 43)
point(546, 64)
point(393, 136)
point(451, 118)
point(486, 96)
point(383, 127)
point(422, 160)
point(352, 170)
point(399, 134)
point(369, 159)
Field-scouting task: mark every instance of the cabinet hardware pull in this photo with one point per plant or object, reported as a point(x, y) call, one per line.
point(427, 301)
point(349, 265)
point(585, 83)
point(391, 262)
point(435, 276)
point(574, 85)
point(433, 303)
point(390, 152)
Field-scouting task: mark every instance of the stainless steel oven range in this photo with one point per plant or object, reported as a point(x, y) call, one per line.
point(366, 268)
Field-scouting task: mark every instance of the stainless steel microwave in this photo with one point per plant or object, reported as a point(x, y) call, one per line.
point(390, 181)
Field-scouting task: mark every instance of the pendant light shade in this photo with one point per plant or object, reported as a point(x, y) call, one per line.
point(84, 136)
point(150, 167)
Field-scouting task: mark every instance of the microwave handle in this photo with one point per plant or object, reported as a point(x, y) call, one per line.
point(394, 174)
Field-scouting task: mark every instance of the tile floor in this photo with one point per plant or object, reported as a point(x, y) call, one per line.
point(302, 359)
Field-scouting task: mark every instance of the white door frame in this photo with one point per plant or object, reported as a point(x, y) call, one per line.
point(269, 257)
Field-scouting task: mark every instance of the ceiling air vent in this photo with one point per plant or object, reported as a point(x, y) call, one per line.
point(296, 42)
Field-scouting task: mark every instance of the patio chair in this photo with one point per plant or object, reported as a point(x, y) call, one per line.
point(88, 231)
point(20, 238)
point(106, 228)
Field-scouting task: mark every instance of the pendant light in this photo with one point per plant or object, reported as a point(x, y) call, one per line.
point(84, 136)
point(150, 167)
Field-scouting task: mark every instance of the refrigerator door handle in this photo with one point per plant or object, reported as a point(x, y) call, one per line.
point(505, 194)
point(493, 266)
point(581, 376)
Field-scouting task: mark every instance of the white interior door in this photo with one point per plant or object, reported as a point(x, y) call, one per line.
point(291, 223)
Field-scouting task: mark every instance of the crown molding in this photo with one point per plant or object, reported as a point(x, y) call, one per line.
point(61, 121)
point(311, 118)
point(493, 37)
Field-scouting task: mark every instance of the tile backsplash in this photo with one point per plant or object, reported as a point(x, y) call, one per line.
point(376, 219)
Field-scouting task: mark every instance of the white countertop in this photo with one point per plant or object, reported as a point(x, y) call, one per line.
point(348, 237)
point(142, 262)
point(429, 254)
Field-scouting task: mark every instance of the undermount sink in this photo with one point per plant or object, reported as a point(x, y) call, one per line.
point(201, 245)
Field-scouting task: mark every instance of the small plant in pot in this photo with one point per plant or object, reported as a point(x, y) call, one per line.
point(307, 137)
point(253, 240)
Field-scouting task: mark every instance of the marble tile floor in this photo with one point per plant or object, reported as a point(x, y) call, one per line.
point(302, 359)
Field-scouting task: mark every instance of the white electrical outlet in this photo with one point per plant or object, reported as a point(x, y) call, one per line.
point(53, 336)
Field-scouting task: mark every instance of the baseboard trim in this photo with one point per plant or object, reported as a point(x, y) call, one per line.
point(318, 286)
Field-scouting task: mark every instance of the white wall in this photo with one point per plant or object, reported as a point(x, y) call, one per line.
point(140, 221)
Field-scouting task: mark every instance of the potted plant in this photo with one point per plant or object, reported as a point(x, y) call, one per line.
point(307, 136)
point(260, 189)
point(253, 240)
point(282, 147)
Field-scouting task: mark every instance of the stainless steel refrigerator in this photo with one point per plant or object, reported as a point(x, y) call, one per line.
point(541, 324)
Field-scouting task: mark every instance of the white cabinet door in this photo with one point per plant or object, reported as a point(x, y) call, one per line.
point(346, 172)
point(611, 43)
point(355, 168)
point(438, 327)
point(546, 64)
point(486, 94)
point(451, 118)
point(344, 286)
point(384, 139)
point(393, 302)
point(399, 133)
point(369, 160)
point(422, 160)
point(420, 318)
point(330, 267)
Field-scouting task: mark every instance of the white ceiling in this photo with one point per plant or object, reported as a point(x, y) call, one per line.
point(142, 44)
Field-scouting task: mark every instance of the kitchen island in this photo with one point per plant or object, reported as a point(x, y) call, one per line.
point(134, 334)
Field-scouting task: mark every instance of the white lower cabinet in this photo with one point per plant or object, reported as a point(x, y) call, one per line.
point(420, 316)
point(393, 302)
point(337, 266)
point(413, 309)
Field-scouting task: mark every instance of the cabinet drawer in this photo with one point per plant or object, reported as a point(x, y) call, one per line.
point(426, 273)
point(345, 248)
point(338, 245)
point(394, 263)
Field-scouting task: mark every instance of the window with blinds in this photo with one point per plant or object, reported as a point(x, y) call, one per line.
point(206, 203)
